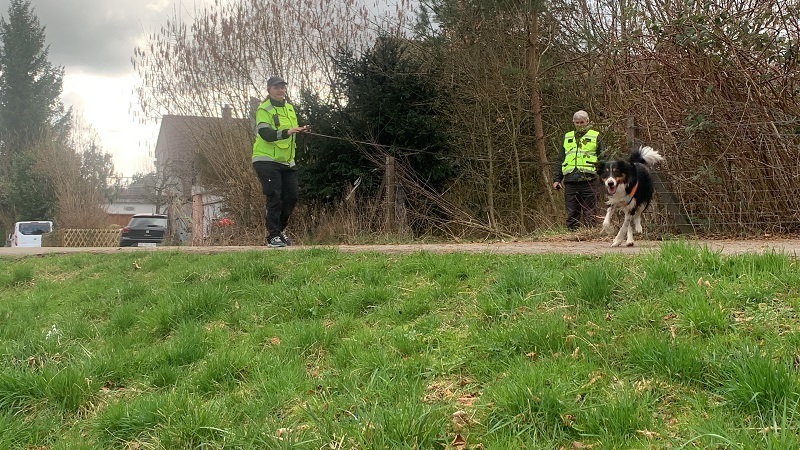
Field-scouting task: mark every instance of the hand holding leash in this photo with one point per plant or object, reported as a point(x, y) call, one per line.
point(303, 129)
point(557, 185)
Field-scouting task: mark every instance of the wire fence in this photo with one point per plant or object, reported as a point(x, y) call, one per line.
point(734, 205)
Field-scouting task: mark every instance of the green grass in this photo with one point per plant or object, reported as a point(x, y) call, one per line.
point(677, 348)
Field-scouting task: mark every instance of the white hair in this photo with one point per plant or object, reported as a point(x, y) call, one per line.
point(580, 115)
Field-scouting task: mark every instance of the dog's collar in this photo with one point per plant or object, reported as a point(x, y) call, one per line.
point(633, 191)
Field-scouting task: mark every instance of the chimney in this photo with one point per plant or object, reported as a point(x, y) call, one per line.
point(227, 112)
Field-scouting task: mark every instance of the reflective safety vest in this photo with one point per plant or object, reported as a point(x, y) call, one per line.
point(276, 118)
point(580, 155)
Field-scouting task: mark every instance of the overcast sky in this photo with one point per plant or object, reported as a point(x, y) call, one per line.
point(94, 40)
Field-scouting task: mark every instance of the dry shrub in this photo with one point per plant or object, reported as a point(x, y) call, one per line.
point(224, 168)
point(354, 219)
point(78, 201)
point(714, 86)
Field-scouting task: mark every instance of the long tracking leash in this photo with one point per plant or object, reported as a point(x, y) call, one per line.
point(407, 151)
point(371, 144)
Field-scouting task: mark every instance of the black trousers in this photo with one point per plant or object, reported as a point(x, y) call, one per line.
point(280, 186)
point(580, 199)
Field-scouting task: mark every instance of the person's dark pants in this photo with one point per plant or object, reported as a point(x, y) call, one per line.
point(580, 199)
point(280, 186)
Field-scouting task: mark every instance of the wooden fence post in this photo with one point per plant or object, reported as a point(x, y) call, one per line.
point(390, 194)
point(197, 219)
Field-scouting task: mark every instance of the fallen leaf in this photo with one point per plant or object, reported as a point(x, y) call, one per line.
point(459, 443)
point(648, 434)
point(467, 400)
point(460, 419)
point(595, 378)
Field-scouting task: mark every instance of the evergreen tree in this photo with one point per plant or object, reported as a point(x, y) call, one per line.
point(32, 192)
point(388, 104)
point(30, 85)
point(30, 110)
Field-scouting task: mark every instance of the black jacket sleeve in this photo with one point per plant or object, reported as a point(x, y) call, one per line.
point(558, 176)
point(270, 135)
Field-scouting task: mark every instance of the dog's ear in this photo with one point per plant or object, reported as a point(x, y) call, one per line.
point(598, 166)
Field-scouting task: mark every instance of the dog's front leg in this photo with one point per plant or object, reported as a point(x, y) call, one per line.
point(630, 219)
point(607, 227)
point(637, 219)
point(624, 229)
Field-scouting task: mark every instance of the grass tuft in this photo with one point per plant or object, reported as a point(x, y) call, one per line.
point(756, 384)
point(21, 274)
point(595, 283)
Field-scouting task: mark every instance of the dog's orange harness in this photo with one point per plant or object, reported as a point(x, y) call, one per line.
point(633, 191)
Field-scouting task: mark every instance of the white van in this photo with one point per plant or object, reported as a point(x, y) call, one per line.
point(29, 234)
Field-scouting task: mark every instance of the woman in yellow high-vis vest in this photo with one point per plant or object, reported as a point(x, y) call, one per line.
point(576, 172)
point(273, 159)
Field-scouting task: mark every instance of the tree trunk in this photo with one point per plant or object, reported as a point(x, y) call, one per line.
point(536, 105)
point(491, 177)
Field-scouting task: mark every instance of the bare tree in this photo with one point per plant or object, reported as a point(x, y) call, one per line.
point(492, 58)
point(79, 197)
point(226, 54)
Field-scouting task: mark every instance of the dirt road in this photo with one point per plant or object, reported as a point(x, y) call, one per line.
point(593, 247)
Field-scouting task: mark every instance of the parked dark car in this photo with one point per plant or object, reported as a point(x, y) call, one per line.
point(144, 230)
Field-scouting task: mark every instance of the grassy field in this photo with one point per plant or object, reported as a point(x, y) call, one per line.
point(317, 349)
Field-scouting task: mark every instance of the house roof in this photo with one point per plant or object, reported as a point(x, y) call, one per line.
point(179, 137)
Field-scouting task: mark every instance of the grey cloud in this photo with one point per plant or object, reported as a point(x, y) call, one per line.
point(96, 36)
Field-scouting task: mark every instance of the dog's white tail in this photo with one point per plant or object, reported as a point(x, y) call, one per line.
point(650, 156)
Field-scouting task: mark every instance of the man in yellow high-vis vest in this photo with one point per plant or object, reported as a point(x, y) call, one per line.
point(576, 172)
point(273, 159)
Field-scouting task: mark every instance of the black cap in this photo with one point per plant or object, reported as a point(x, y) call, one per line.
point(274, 81)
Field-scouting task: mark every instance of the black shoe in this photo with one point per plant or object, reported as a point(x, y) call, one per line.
point(275, 242)
point(285, 239)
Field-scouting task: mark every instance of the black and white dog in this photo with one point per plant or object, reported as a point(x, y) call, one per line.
point(630, 189)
